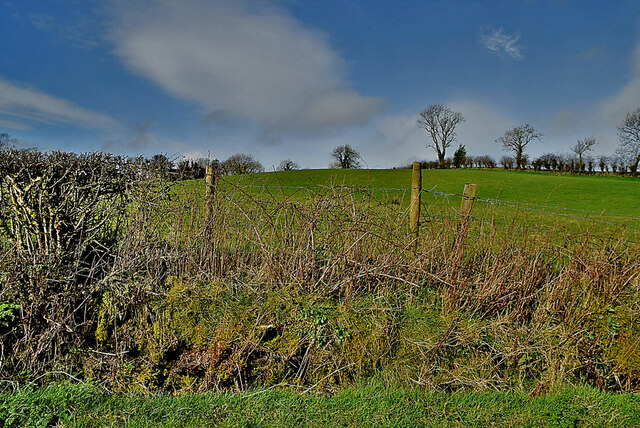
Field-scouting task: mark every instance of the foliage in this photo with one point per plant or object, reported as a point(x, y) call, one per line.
point(460, 156)
point(316, 289)
point(61, 220)
point(7, 314)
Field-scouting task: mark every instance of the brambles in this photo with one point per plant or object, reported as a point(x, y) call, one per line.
point(61, 219)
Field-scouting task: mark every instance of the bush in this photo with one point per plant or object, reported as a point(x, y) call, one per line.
point(241, 163)
point(61, 218)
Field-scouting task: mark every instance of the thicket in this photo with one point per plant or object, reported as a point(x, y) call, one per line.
point(303, 291)
point(62, 218)
point(551, 162)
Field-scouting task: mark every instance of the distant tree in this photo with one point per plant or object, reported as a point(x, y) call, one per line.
point(460, 156)
point(346, 157)
point(581, 148)
point(548, 161)
point(440, 123)
point(506, 162)
point(603, 164)
point(468, 161)
point(287, 165)
point(629, 134)
point(485, 161)
point(516, 139)
point(195, 168)
point(6, 141)
point(537, 164)
point(615, 161)
point(241, 163)
point(591, 163)
point(160, 165)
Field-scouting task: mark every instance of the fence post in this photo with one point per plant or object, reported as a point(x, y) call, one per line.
point(210, 181)
point(468, 198)
point(414, 216)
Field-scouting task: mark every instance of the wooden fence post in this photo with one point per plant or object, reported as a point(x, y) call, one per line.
point(414, 216)
point(210, 181)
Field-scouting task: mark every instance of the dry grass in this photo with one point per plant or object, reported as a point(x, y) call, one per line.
point(319, 291)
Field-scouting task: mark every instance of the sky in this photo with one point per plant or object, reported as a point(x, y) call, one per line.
point(292, 79)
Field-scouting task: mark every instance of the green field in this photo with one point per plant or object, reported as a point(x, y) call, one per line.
point(609, 194)
point(607, 205)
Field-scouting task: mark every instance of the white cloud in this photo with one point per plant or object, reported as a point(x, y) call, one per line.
point(502, 44)
point(484, 124)
point(25, 105)
point(13, 125)
point(627, 99)
point(396, 139)
point(249, 60)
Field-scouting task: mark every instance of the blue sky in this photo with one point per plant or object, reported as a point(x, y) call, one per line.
point(293, 78)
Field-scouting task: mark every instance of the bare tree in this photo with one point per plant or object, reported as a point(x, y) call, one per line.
point(287, 165)
point(6, 141)
point(581, 148)
point(629, 134)
point(516, 139)
point(440, 123)
point(346, 157)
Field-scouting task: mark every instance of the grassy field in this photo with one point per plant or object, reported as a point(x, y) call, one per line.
point(600, 205)
point(610, 194)
point(366, 405)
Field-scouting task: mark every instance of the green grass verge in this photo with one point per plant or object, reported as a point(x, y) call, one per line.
point(367, 405)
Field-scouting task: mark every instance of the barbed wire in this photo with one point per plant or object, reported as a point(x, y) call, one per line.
point(579, 217)
point(527, 206)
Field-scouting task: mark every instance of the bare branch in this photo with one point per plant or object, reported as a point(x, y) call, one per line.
point(440, 123)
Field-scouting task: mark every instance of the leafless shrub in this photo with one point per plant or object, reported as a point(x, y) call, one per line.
point(61, 219)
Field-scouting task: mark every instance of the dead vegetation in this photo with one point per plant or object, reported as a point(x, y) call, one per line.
point(316, 291)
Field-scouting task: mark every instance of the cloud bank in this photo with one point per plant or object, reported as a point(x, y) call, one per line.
point(502, 44)
point(615, 109)
point(245, 60)
point(21, 106)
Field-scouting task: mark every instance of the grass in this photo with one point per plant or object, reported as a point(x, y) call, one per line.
point(591, 192)
point(595, 204)
point(371, 404)
point(318, 290)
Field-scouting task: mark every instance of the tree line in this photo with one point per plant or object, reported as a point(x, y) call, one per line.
point(440, 124)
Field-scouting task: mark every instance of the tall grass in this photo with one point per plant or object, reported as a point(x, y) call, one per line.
point(318, 291)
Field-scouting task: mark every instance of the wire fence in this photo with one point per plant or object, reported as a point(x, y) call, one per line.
point(498, 213)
